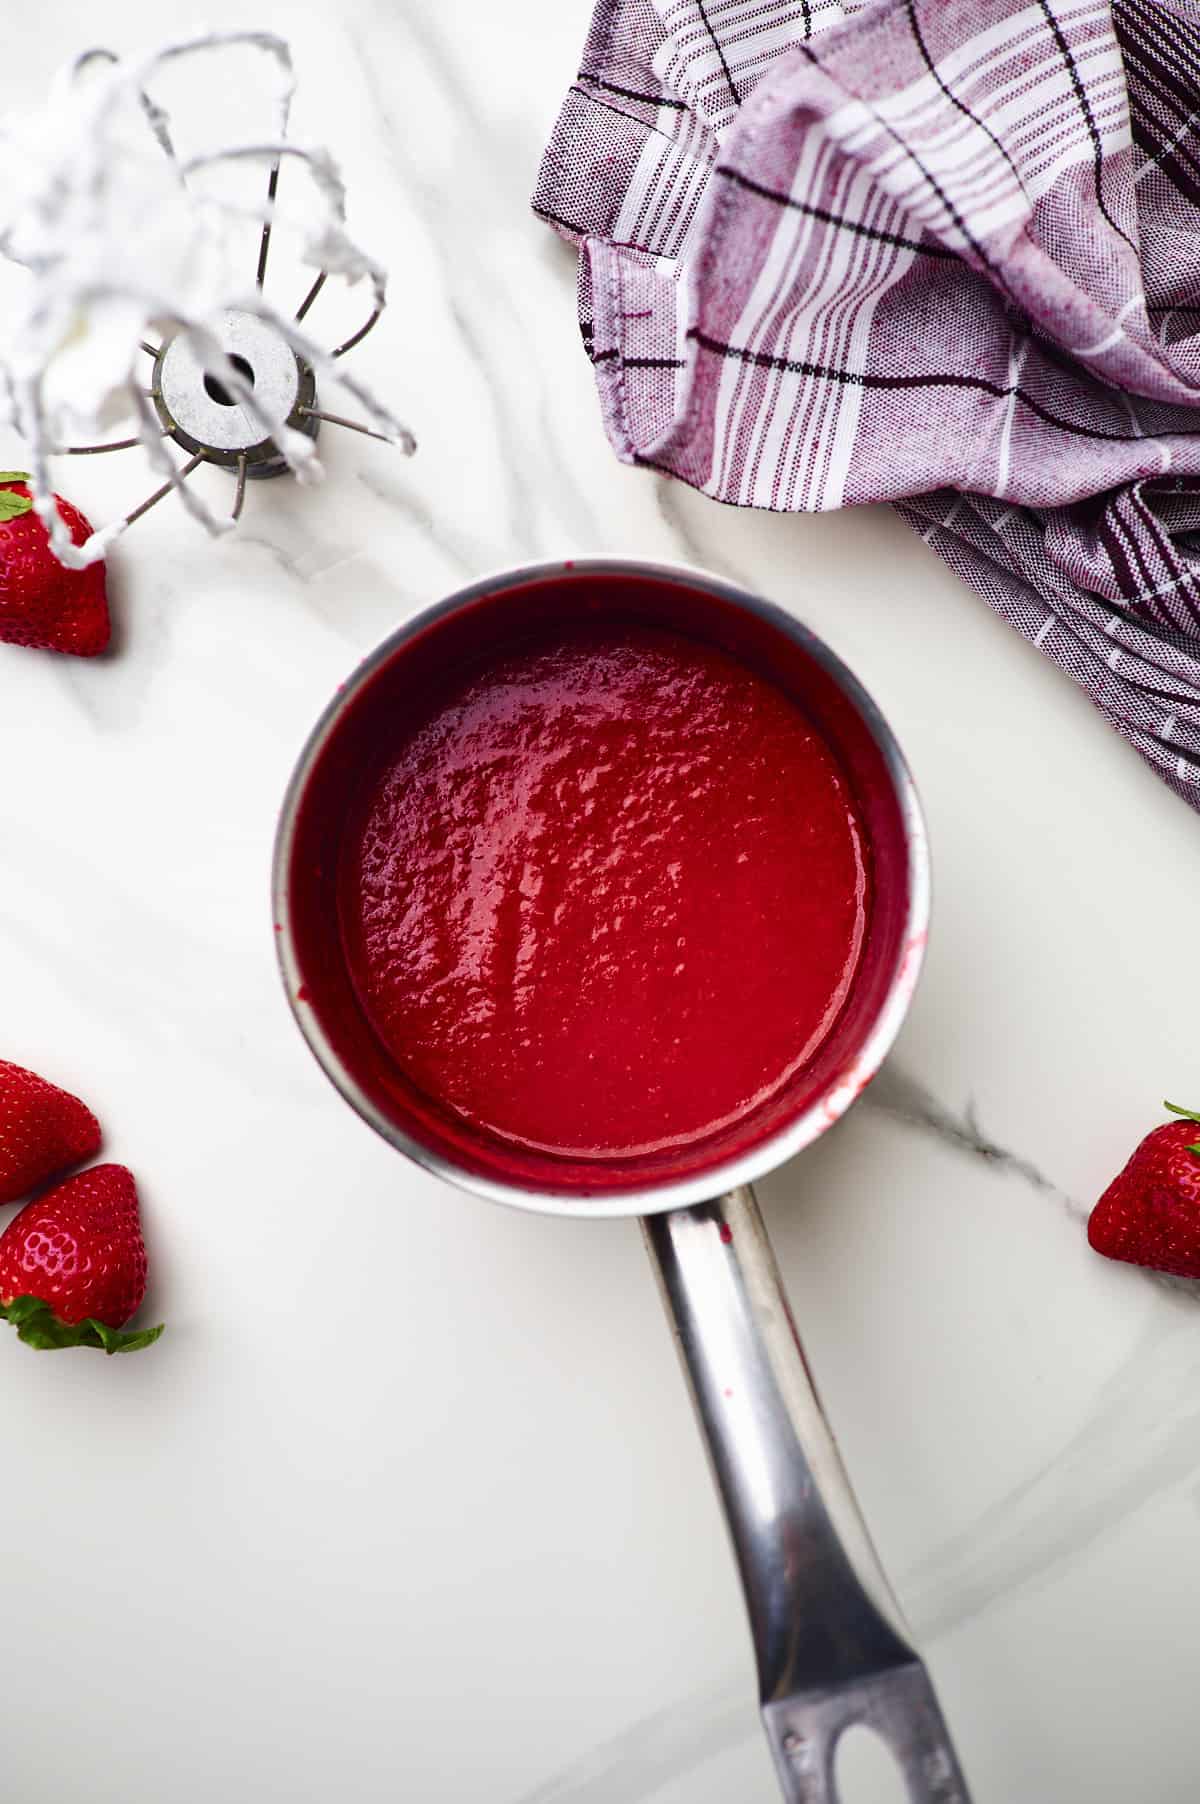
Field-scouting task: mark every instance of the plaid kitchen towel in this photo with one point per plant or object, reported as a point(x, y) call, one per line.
point(944, 253)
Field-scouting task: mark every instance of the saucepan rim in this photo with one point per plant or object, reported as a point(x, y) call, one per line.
point(766, 1155)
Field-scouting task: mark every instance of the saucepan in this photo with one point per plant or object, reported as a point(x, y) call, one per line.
point(831, 1647)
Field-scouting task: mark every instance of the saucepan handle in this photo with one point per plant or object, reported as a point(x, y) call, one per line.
point(830, 1644)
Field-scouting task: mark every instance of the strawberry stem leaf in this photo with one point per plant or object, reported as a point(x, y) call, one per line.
point(38, 1326)
point(1188, 1114)
point(13, 506)
point(14, 475)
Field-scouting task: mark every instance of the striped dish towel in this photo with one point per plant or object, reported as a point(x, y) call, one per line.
point(944, 253)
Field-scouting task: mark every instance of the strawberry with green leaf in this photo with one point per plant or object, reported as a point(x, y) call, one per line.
point(43, 604)
point(73, 1265)
point(1150, 1213)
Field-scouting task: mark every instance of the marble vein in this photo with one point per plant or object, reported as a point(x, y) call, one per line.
point(454, 243)
point(288, 561)
point(1140, 1438)
point(655, 1749)
point(459, 549)
point(901, 1097)
point(1139, 1441)
point(671, 500)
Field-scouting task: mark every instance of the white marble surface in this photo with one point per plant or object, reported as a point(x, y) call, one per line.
point(408, 1502)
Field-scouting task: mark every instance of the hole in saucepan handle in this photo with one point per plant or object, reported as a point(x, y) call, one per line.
point(865, 1771)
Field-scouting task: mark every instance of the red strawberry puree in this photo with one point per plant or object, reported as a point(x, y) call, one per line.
point(607, 895)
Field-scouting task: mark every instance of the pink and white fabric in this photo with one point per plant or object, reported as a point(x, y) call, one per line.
point(944, 253)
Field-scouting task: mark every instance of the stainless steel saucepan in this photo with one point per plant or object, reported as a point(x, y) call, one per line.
point(831, 1646)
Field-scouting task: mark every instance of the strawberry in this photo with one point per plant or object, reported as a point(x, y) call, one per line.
point(1150, 1213)
point(42, 603)
point(73, 1264)
point(42, 1129)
